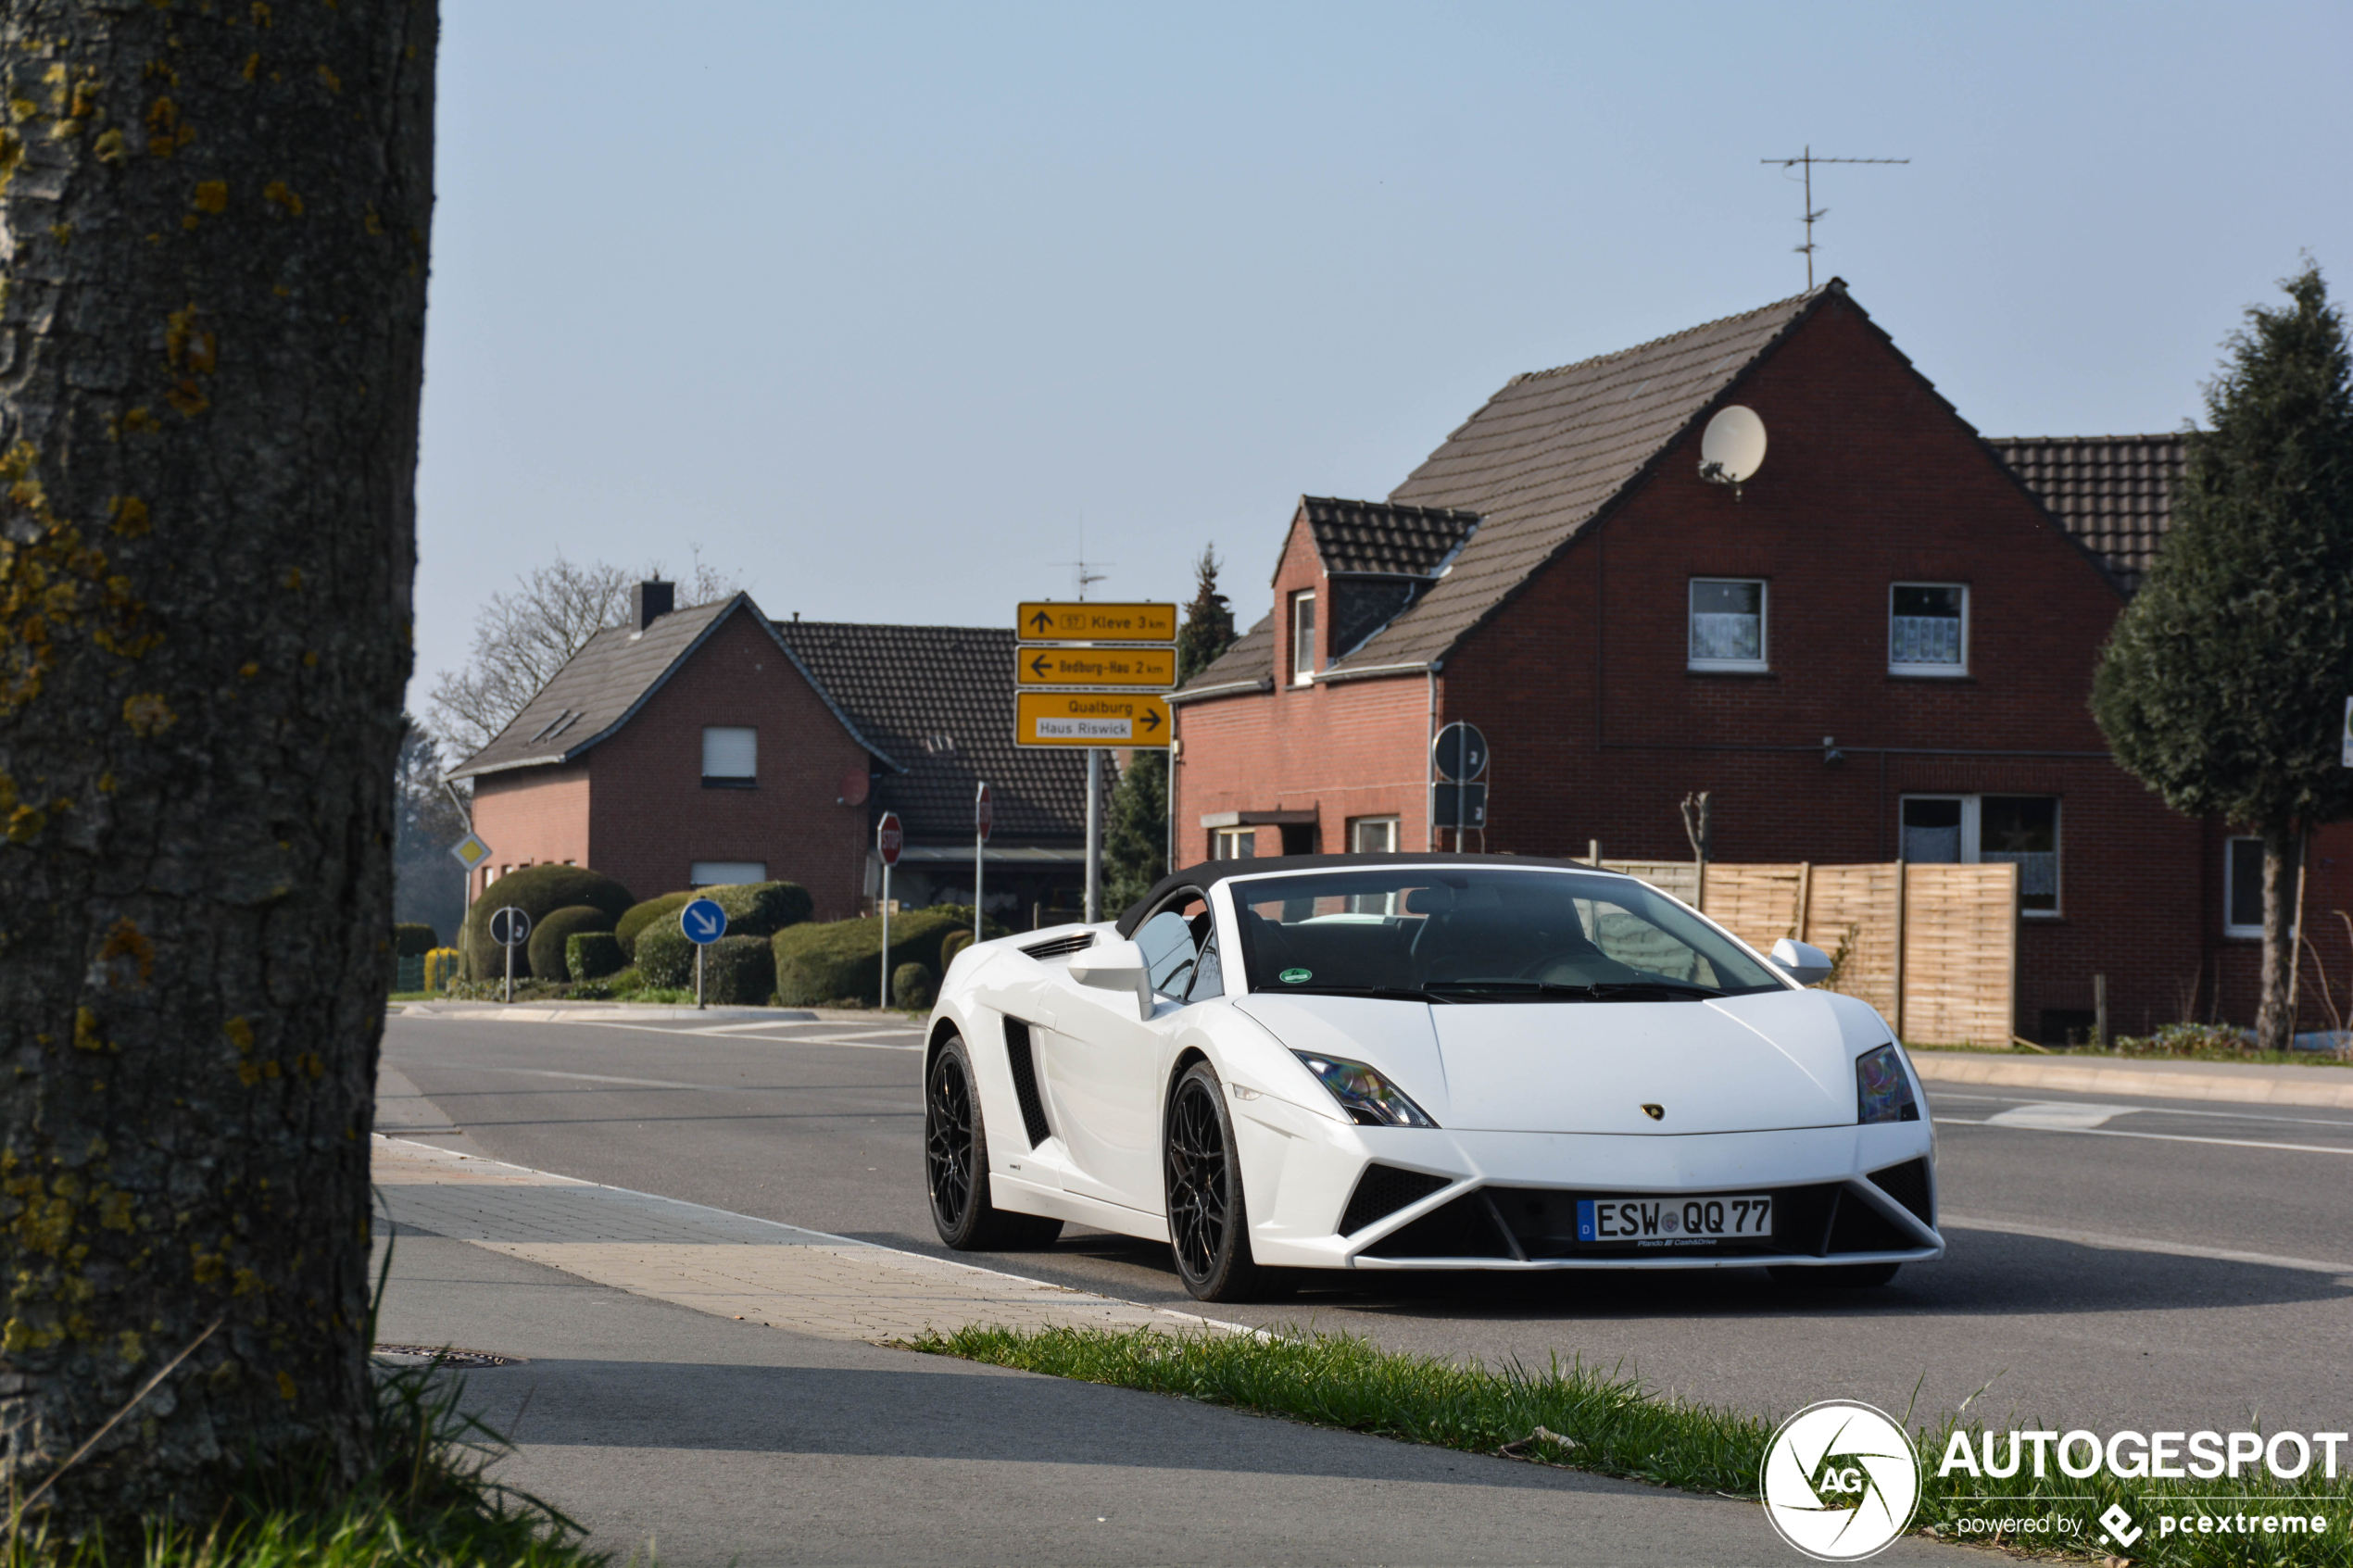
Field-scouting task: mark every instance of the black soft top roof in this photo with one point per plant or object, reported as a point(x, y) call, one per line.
point(1208, 873)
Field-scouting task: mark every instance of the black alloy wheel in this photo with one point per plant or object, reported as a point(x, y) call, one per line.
point(956, 1164)
point(1208, 1219)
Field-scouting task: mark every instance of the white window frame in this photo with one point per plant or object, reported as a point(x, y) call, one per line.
point(1971, 849)
point(1225, 844)
point(749, 733)
point(1356, 826)
point(1763, 663)
point(2230, 848)
point(1934, 672)
point(718, 874)
point(1303, 649)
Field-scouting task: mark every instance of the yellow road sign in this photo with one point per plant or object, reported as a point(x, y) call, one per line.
point(1115, 719)
point(1131, 668)
point(1043, 621)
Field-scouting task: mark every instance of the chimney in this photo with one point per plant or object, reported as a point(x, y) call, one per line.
point(652, 601)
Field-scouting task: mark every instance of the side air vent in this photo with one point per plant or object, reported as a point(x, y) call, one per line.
point(1464, 1228)
point(1055, 946)
point(1033, 1108)
point(1858, 1227)
point(1908, 1184)
point(1381, 1191)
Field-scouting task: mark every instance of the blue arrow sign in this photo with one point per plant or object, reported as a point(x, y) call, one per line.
point(704, 922)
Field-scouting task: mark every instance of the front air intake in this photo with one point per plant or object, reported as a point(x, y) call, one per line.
point(1464, 1228)
point(1024, 1071)
point(1908, 1184)
point(1381, 1191)
point(1055, 946)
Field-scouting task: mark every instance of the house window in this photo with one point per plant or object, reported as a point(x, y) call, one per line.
point(2243, 887)
point(1987, 828)
point(726, 874)
point(1927, 628)
point(1303, 639)
point(730, 757)
point(1727, 624)
point(1372, 835)
point(1234, 844)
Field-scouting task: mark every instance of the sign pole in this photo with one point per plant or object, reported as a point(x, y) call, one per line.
point(697, 977)
point(889, 839)
point(980, 848)
point(1094, 834)
point(886, 937)
point(511, 971)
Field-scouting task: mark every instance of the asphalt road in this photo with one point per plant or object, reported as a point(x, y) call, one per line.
point(2214, 1292)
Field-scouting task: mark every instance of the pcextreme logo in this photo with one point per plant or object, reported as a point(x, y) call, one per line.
point(1841, 1481)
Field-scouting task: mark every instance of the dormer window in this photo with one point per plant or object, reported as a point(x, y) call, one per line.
point(1303, 639)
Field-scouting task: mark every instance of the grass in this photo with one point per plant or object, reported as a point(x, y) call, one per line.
point(2151, 1048)
point(1575, 1415)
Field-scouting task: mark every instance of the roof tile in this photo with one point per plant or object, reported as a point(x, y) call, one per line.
point(2115, 493)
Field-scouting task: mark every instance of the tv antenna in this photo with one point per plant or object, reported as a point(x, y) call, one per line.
point(1813, 213)
point(1079, 566)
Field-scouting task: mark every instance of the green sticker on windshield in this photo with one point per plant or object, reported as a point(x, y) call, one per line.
point(1297, 976)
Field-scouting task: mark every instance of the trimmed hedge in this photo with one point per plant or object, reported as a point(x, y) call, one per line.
point(841, 960)
point(592, 955)
point(412, 940)
point(761, 908)
point(664, 956)
point(953, 943)
point(548, 954)
point(653, 911)
point(538, 891)
point(737, 972)
point(912, 986)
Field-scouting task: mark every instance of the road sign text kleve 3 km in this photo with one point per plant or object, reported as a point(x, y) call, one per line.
point(1044, 620)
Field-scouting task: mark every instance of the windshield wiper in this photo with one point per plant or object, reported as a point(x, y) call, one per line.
point(1608, 990)
point(1385, 992)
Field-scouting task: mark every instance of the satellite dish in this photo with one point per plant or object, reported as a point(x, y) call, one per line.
point(853, 787)
point(1733, 448)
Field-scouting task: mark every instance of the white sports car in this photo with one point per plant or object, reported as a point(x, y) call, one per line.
point(1423, 1061)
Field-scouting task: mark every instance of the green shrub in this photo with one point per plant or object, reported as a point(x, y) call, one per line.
point(538, 891)
point(592, 955)
point(547, 948)
point(412, 940)
point(953, 943)
point(664, 956)
point(841, 960)
point(653, 911)
point(913, 986)
point(761, 908)
point(737, 972)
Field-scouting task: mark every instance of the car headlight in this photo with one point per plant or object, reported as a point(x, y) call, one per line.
point(1370, 1100)
point(1882, 1089)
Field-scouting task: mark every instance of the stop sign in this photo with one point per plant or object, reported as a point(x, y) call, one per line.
point(888, 839)
point(983, 813)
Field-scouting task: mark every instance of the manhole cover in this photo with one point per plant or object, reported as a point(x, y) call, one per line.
point(449, 1356)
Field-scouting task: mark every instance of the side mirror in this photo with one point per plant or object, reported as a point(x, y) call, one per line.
point(1804, 962)
point(1115, 966)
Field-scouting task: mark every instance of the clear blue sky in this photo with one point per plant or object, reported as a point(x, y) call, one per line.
point(879, 304)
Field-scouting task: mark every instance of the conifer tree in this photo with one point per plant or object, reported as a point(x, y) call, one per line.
point(2224, 683)
point(1136, 850)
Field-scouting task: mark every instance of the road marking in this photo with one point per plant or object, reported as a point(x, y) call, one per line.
point(2160, 1138)
point(862, 1043)
point(2137, 1243)
point(2059, 1116)
point(596, 1078)
point(2166, 1110)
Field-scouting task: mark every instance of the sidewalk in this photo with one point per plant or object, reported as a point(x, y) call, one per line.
point(700, 1384)
point(582, 1012)
point(2240, 1083)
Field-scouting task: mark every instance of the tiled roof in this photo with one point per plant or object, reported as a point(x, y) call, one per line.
point(2115, 493)
point(602, 685)
point(939, 699)
point(1379, 538)
point(1249, 665)
point(1549, 451)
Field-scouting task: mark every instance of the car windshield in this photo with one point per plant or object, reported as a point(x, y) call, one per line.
point(1452, 933)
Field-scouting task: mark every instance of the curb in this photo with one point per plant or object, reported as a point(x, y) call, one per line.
point(2218, 1081)
point(574, 1012)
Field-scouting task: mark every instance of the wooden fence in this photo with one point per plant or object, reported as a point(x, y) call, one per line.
point(1934, 947)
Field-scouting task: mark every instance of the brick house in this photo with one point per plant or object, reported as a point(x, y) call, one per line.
point(1880, 647)
point(713, 744)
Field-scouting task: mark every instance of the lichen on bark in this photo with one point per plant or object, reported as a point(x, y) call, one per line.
point(213, 222)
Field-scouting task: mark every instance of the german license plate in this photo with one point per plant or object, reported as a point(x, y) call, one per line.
point(1738, 1217)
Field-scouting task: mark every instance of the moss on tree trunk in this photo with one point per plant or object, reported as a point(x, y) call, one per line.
point(213, 219)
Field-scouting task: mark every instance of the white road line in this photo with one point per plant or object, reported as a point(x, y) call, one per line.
point(595, 1077)
point(2162, 1110)
point(2160, 1138)
point(2059, 1116)
point(2137, 1243)
point(761, 1039)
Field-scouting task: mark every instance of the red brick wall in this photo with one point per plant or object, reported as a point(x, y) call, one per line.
point(635, 806)
point(1599, 728)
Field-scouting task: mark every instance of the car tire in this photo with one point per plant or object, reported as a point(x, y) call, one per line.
point(1838, 1277)
point(1208, 1214)
point(956, 1164)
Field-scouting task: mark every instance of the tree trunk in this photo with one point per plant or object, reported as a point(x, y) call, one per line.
point(2275, 1019)
point(212, 225)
